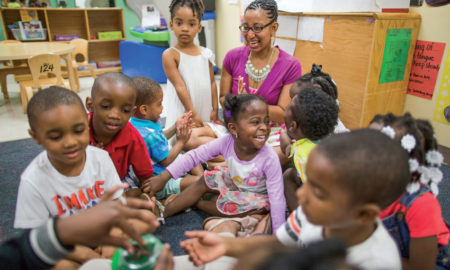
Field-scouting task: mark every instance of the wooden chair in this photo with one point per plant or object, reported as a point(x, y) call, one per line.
point(41, 64)
point(14, 63)
point(80, 53)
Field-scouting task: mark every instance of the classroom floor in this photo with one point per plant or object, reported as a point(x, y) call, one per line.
point(14, 123)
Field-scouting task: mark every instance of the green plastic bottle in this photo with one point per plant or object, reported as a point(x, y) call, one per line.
point(144, 258)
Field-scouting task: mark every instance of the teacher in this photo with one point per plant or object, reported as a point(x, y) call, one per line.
point(258, 68)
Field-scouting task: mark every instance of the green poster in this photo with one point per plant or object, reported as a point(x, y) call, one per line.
point(395, 55)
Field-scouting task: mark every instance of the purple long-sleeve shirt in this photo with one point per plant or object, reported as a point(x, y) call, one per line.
point(263, 172)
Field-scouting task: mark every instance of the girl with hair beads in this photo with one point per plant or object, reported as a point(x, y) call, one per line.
point(415, 219)
point(189, 68)
point(252, 181)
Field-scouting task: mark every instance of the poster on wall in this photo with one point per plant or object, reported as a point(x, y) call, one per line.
point(425, 68)
point(395, 55)
point(150, 16)
point(443, 100)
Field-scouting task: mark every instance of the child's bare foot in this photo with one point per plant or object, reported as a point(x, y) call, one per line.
point(226, 226)
point(261, 227)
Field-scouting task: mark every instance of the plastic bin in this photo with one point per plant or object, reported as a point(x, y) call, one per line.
point(18, 35)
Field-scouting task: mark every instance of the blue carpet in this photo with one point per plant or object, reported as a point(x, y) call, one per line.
point(16, 155)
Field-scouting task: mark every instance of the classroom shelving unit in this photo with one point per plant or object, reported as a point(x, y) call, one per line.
point(85, 22)
point(352, 53)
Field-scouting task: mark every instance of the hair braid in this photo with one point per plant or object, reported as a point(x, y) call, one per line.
point(268, 5)
point(319, 78)
point(196, 6)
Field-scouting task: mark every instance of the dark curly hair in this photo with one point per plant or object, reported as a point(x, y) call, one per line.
point(268, 5)
point(236, 105)
point(319, 78)
point(196, 5)
point(315, 113)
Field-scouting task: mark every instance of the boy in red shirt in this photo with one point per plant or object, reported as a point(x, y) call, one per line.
point(110, 106)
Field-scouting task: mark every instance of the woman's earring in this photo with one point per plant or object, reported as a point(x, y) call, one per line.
point(272, 39)
point(236, 135)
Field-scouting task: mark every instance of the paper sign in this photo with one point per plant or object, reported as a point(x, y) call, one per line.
point(395, 55)
point(286, 45)
point(310, 28)
point(295, 5)
point(150, 16)
point(244, 5)
point(425, 68)
point(233, 2)
point(288, 26)
point(443, 100)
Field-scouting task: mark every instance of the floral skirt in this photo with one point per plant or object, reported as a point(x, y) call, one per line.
point(232, 200)
point(274, 137)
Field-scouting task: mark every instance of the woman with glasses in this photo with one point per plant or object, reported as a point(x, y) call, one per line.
point(258, 68)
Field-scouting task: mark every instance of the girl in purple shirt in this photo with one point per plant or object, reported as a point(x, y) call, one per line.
point(253, 179)
point(258, 68)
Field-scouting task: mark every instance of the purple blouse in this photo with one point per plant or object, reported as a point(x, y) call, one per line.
point(266, 163)
point(285, 71)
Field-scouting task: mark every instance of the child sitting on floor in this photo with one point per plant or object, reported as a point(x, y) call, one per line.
point(415, 219)
point(326, 84)
point(253, 180)
point(310, 116)
point(146, 121)
point(351, 177)
point(111, 105)
point(69, 175)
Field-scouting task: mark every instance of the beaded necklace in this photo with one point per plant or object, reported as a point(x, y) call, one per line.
point(255, 74)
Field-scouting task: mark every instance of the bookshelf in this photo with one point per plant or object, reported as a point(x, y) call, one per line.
point(85, 22)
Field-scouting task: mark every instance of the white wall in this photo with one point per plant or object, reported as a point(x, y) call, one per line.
point(227, 29)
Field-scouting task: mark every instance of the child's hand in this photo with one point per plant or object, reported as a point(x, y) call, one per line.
point(241, 86)
point(92, 227)
point(285, 140)
point(203, 247)
point(107, 252)
point(197, 120)
point(288, 152)
point(184, 133)
point(215, 118)
point(185, 118)
point(153, 186)
point(165, 259)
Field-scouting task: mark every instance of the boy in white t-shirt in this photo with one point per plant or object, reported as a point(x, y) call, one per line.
point(351, 177)
point(69, 175)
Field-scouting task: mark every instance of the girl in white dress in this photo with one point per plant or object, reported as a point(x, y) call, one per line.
point(189, 68)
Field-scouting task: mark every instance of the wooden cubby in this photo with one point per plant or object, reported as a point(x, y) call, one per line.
point(85, 22)
point(352, 53)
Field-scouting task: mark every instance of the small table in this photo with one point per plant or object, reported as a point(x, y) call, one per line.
point(19, 51)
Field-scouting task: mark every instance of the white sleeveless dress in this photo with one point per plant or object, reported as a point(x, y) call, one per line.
point(195, 73)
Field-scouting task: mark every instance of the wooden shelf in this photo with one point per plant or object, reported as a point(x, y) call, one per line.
point(84, 22)
point(352, 51)
point(108, 40)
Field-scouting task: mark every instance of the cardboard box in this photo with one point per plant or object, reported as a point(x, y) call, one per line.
point(109, 35)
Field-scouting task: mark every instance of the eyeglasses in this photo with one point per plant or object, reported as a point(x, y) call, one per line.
point(256, 28)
